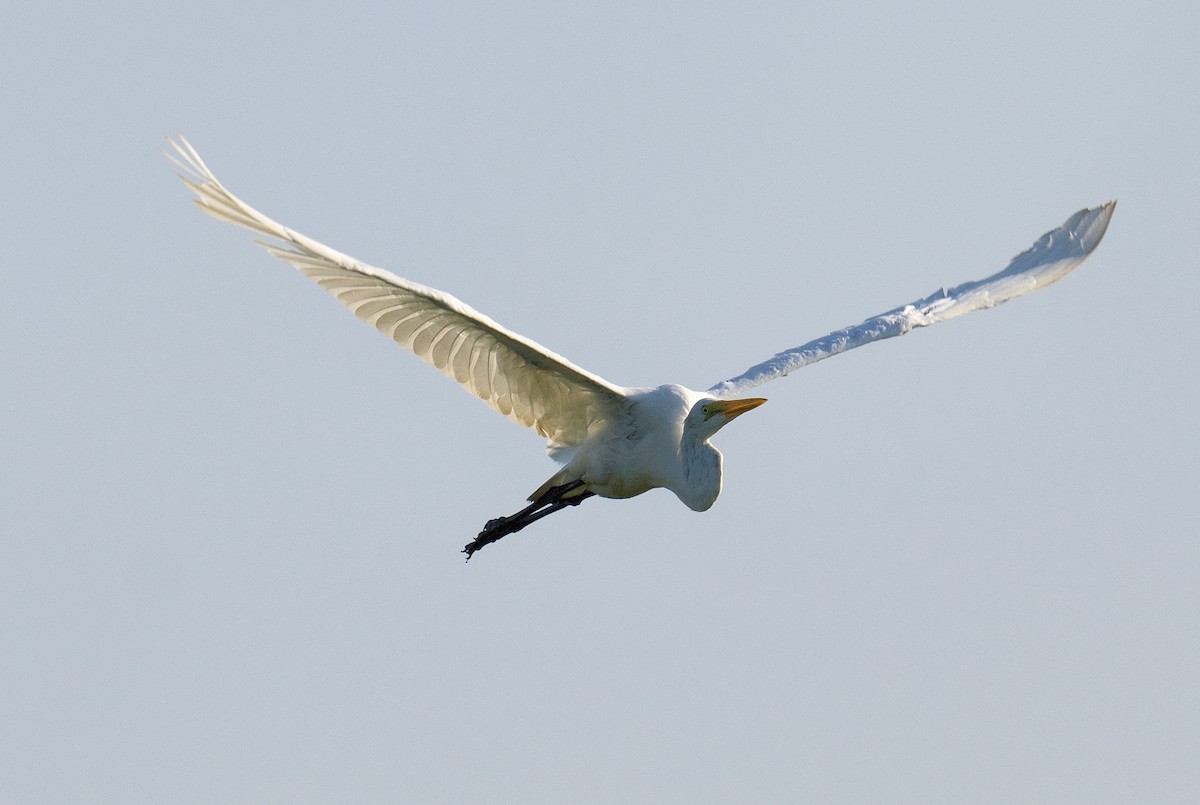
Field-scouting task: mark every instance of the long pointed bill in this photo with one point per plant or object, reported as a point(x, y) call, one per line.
point(733, 408)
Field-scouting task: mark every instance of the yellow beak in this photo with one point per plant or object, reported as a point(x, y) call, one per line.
point(732, 408)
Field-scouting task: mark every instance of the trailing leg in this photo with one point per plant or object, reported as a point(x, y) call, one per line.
point(555, 498)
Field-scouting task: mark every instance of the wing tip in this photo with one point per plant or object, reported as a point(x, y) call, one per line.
point(186, 157)
point(1089, 225)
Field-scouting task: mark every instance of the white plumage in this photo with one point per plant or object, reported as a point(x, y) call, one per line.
point(614, 442)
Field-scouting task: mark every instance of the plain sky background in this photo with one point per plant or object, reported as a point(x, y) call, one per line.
point(960, 566)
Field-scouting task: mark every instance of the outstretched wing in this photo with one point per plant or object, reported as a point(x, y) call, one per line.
point(1050, 259)
point(515, 376)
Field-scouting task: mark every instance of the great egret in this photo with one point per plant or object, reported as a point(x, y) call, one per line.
point(613, 441)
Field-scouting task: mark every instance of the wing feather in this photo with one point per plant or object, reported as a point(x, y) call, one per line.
point(515, 376)
point(1054, 256)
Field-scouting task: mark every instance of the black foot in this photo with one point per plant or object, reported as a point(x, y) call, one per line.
point(549, 503)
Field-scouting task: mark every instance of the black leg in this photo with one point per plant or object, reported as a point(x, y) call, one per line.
point(547, 504)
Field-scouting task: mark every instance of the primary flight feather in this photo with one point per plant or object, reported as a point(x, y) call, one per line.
point(614, 442)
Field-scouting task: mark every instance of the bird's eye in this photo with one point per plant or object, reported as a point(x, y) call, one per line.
point(706, 411)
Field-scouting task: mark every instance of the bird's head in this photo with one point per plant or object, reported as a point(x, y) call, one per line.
point(709, 415)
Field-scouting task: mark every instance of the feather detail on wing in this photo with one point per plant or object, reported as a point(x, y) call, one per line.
point(515, 376)
point(1050, 259)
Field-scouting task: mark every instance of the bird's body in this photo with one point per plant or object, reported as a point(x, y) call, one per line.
point(658, 438)
point(613, 442)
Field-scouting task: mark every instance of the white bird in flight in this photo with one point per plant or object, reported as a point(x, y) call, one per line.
point(613, 441)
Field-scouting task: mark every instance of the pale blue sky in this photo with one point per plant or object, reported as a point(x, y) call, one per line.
point(957, 566)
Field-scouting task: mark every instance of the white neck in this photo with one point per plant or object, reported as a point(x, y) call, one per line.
point(702, 474)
